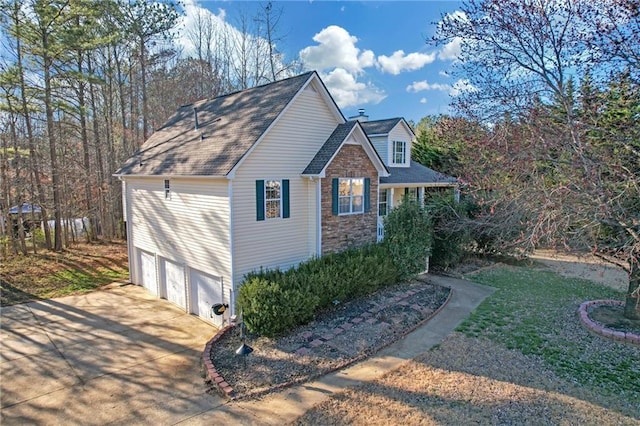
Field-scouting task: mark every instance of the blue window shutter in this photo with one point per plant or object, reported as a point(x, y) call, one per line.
point(260, 200)
point(285, 198)
point(367, 195)
point(334, 195)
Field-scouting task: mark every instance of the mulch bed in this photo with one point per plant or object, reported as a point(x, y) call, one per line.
point(340, 336)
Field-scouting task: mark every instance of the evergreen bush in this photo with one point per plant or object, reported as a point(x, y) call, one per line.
point(274, 301)
point(408, 237)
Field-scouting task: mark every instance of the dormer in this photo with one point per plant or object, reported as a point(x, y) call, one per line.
point(393, 139)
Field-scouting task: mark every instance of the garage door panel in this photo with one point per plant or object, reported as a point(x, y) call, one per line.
point(206, 291)
point(174, 284)
point(148, 276)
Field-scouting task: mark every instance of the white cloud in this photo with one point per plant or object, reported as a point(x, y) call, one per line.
point(462, 86)
point(451, 50)
point(419, 86)
point(399, 62)
point(347, 91)
point(193, 14)
point(423, 100)
point(336, 49)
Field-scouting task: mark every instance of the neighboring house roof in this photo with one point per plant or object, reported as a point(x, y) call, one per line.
point(25, 208)
point(228, 127)
point(416, 173)
point(328, 151)
point(380, 127)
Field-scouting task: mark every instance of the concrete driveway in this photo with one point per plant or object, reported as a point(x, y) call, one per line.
point(117, 356)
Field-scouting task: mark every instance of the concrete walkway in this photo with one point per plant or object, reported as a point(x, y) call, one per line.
point(287, 405)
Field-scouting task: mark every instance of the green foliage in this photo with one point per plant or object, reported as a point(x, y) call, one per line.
point(408, 237)
point(269, 308)
point(533, 311)
point(451, 239)
point(275, 301)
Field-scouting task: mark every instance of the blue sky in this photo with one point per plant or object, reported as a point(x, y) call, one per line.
point(370, 54)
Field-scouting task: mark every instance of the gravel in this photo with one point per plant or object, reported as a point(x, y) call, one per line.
point(346, 333)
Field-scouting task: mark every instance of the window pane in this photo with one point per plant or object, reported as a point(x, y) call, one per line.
point(399, 149)
point(357, 186)
point(344, 188)
point(357, 204)
point(382, 209)
point(383, 196)
point(344, 205)
point(272, 189)
point(273, 209)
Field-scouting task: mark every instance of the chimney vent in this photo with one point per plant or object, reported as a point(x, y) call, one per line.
point(362, 117)
point(195, 117)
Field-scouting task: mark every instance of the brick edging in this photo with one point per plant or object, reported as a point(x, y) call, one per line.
point(226, 389)
point(600, 329)
point(210, 371)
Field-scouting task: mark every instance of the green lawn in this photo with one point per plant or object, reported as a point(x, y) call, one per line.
point(535, 312)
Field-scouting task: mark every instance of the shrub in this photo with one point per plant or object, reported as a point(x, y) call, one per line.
point(270, 309)
point(408, 237)
point(451, 235)
point(275, 301)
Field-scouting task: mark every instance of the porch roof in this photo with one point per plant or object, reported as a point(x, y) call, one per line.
point(416, 173)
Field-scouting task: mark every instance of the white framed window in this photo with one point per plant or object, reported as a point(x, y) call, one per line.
point(351, 195)
point(167, 189)
point(272, 199)
point(383, 202)
point(399, 152)
point(412, 194)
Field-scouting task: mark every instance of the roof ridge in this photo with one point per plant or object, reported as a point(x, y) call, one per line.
point(248, 89)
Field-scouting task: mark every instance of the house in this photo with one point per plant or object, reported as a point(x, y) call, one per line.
point(265, 177)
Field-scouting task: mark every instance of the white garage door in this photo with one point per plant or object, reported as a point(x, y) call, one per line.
point(206, 291)
point(148, 271)
point(173, 284)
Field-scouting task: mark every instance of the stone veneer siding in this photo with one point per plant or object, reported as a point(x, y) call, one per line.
point(342, 232)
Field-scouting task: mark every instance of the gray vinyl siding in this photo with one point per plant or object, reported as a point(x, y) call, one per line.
point(283, 154)
point(380, 143)
point(191, 228)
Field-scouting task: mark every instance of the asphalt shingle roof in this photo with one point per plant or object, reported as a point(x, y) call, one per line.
point(379, 127)
point(324, 155)
point(228, 127)
point(416, 173)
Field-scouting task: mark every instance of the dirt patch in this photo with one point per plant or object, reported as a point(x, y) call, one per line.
point(79, 268)
point(338, 337)
point(612, 317)
point(584, 266)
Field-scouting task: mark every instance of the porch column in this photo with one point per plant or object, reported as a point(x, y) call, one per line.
point(390, 199)
point(421, 195)
point(456, 194)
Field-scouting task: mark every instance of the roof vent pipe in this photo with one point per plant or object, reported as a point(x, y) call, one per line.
point(195, 117)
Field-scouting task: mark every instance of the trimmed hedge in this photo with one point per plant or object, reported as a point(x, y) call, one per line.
point(275, 301)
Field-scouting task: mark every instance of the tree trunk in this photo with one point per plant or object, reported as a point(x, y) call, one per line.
point(143, 83)
point(55, 171)
point(86, 162)
point(97, 230)
point(632, 305)
point(33, 156)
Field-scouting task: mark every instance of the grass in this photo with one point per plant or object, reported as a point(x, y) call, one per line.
point(534, 312)
point(78, 269)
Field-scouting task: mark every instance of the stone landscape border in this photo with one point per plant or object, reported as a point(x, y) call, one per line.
point(210, 372)
point(600, 329)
